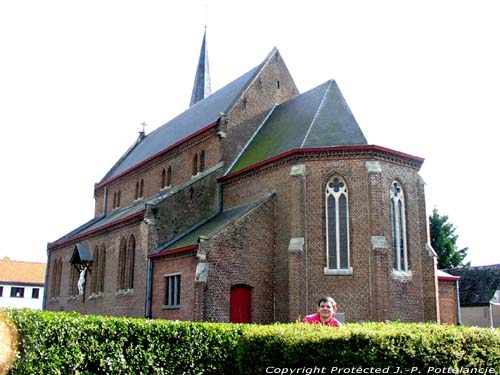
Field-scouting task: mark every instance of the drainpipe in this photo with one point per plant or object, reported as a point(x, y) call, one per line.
point(459, 313)
point(304, 223)
point(149, 288)
point(105, 200)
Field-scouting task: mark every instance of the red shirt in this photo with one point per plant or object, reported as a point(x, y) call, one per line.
point(315, 319)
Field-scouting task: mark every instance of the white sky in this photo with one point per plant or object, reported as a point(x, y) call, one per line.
point(77, 79)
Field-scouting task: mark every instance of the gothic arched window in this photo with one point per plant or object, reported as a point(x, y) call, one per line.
point(202, 161)
point(130, 263)
point(398, 228)
point(169, 176)
point(195, 164)
point(163, 178)
point(122, 264)
point(337, 226)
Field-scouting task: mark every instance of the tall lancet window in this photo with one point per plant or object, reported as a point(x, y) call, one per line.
point(398, 228)
point(337, 227)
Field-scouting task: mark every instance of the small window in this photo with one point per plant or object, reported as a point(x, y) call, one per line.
point(173, 290)
point(278, 84)
point(169, 176)
point(195, 165)
point(1, 291)
point(163, 178)
point(202, 161)
point(17, 292)
point(35, 293)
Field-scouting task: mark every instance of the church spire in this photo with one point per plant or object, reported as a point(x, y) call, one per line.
point(201, 87)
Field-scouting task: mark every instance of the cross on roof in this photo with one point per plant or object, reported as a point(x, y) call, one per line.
point(143, 124)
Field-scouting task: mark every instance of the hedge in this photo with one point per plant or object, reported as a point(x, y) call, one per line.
point(71, 343)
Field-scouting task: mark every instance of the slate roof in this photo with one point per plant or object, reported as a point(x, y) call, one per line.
point(202, 114)
point(477, 285)
point(12, 271)
point(317, 118)
point(214, 225)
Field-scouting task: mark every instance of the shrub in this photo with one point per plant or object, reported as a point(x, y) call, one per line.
point(70, 343)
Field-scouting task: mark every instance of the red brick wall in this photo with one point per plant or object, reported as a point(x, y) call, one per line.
point(250, 110)
point(398, 298)
point(110, 303)
point(181, 161)
point(242, 253)
point(448, 301)
point(185, 265)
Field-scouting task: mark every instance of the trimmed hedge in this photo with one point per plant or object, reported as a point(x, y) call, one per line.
point(70, 343)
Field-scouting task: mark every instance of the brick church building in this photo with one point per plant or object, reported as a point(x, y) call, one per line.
point(249, 206)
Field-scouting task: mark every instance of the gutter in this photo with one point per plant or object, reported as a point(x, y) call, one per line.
point(44, 302)
point(339, 149)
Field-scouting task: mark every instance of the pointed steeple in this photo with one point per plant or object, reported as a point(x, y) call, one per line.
point(201, 87)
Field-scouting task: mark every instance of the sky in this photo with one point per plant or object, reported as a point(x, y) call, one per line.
point(78, 78)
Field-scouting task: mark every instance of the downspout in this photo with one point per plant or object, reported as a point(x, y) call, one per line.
point(304, 223)
point(149, 288)
point(459, 313)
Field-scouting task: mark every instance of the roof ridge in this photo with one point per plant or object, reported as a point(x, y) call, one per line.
point(316, 115)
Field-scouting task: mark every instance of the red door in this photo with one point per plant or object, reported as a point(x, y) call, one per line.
point(239, 311)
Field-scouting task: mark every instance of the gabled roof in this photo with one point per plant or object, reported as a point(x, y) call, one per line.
point(317, 118)
point(12, 271)
point(212, 226)
point(199, 117)
point(477, 285)
point(201, 86)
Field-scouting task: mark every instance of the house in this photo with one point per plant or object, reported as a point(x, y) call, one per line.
point(248, 207)
point(21, 284)
point(479, 295)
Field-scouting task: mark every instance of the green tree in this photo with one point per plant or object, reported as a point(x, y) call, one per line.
point(444, 242)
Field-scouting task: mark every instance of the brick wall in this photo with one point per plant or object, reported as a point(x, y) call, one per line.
point(448, 301)
point(372, 292)
point(183, 263)
point(180, 159)
point(242, 254)
point(110, 302)
point(273, 85)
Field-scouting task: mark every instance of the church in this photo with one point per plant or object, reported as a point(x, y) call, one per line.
point(248, 207)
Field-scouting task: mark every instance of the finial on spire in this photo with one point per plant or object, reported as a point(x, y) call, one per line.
point(201, 87)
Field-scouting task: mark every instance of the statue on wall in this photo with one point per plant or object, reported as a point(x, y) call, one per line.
point(81, 280)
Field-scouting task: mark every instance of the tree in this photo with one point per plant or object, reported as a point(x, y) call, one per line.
point(444, 242)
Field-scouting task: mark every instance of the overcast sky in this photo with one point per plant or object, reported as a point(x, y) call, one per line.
point(78, 78)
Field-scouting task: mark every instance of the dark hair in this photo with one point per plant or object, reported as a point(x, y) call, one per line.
point(327, 299)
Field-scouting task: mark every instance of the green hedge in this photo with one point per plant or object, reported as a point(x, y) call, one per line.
point(70, 343)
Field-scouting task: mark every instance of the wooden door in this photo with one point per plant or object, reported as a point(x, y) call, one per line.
point(240, 304)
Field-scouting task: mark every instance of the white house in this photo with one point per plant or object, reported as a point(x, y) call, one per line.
point(21, 284)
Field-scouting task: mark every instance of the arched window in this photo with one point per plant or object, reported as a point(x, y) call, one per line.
point(136, 190)
point(126, 260)
point(122, 264)
point(141, 189)
point(98, 270)
point(169, 176)
point(102, 268)
point(202, 161)
point(398, 228)
point(195, 164)
point(56, 278)
point(130, 262)
point(163, 178)
point(94, 287)
point(337, 227)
